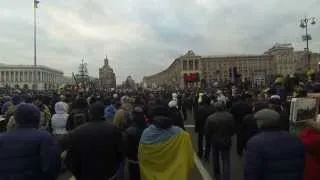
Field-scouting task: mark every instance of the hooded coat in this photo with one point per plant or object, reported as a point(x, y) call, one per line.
point(59, 119)
point(28, 153)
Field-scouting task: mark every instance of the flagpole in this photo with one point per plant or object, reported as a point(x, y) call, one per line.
point(35, 44)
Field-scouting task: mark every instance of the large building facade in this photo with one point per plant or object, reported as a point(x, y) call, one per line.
point(107, 78)
point(259, 69)
point(23, 76)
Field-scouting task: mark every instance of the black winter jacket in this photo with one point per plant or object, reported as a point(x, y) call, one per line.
point(95, 150)
point(204, 111)
point(220, 128)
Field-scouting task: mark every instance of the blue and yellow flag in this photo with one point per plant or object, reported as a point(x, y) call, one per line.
point(171, 159)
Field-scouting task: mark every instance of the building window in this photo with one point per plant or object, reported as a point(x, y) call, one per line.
point(190, 65)
point(185, 64)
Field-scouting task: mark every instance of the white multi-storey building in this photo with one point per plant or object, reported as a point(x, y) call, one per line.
point(22, 76)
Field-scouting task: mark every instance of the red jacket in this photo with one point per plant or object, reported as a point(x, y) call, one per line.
point(311, 139)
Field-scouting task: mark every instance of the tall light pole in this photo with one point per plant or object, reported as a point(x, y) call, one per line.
point(304, 25)
point(35, 6)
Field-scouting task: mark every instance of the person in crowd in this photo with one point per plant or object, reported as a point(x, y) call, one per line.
point(78, 114)
point(5, 104)
point(59, 119)
point(28, 153)
point(126, 104)
point(184, 106)
point(95, 149)
point(11, 106)
point(219, 129)
point(10, 112)
point(175, 114)
point(195, 104)
point(45, 113)
point(221, 98)
point(240, 108)
point(110, 110)
point(122, 121)
point(273, 154)
point(165, 151)
point(122, 118)
point(310, 137)
point(131, 140)
point(249, 126)
point(275, 104)
point(204, 111)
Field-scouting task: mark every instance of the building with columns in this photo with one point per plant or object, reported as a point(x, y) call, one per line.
point(107, 78)
point(259, 69)
point(22, 76)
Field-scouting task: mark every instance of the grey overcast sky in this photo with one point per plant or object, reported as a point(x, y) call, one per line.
point(142, 37)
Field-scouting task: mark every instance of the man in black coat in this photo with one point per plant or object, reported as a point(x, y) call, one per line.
point(240, 108)
point(95, 149)
point(219, 129)
point(175, 114)
point(204, 111)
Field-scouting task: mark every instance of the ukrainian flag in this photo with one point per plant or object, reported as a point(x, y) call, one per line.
point(170, 157)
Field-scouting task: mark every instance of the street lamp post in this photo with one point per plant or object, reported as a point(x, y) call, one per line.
point(304, 25)
point(35, 2)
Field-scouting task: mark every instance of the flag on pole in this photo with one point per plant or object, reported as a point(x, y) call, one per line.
point(36, 2)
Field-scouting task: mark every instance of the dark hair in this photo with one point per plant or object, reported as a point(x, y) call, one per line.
point(205, 99)
point(80, 104)
point(97, 111)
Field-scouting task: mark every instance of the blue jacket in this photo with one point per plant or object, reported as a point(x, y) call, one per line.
point(28, 154)
point(274, 155)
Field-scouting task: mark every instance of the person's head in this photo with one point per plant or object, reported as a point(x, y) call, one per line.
point(96, 111)
point(126, 107)
point(62, 98)
point(138, 117)
point(27, 116)
point(92, 100)
point(275, 104)
point(247, 97)
point(80, 103)
point(268, 119)
point(125, 99)
point(205, 100)
point(174, 96)
point(38, 101)
point(61, 108)
point(160, 117)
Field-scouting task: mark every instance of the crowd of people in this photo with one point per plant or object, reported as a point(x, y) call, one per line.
point(98, 136)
